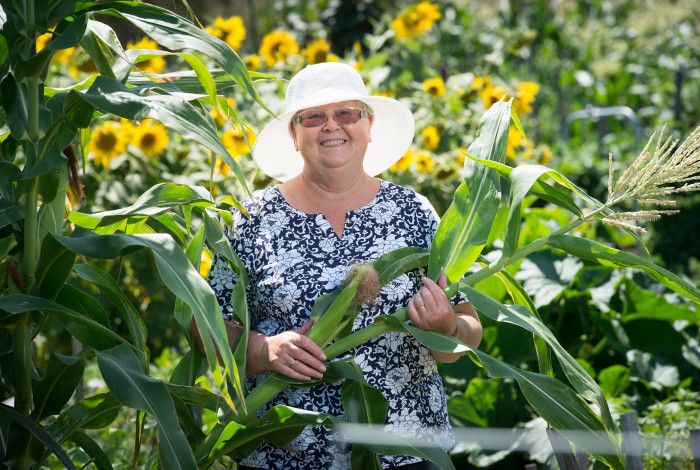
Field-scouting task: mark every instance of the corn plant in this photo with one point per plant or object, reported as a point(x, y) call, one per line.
point(44, 131)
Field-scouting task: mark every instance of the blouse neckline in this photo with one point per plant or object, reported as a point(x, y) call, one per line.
point(380, 193)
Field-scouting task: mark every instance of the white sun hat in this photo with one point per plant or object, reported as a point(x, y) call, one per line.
point(332, 82)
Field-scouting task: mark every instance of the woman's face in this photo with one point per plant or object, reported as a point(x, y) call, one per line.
point(333, 145)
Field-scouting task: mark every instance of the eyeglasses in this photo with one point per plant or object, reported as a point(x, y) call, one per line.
point(317, 118)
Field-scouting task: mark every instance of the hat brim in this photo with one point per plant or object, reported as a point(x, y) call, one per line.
point(392, 132)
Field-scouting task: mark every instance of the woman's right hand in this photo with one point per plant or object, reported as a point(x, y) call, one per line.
point(292, 354)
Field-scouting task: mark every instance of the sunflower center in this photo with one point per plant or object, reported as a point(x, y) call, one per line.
point(148, 140)
point(106, 141)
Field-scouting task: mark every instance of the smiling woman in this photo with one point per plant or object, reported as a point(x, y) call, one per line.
point(308, 234)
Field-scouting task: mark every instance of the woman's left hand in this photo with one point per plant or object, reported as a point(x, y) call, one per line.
point(431, 310)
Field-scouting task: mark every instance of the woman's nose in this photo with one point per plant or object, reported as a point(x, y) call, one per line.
point(330, 123)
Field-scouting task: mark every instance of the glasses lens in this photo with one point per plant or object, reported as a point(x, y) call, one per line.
point(347, 115)
point(340, 115)
point(312, 118)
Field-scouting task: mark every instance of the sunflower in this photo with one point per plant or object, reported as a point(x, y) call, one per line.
point(545, 156)
point(319, 51)
point(221, 116)
point(404, 163)
point(277, 46)
point(431, 138)
point(230, 30)
point(106, 142)
point(416, 20)
point(491, 94)
point(151, 137)
point(61, 56)
point(205, 261)
point(515, 140)
point(525, 96)
point(481, 81)
point(235, 142)
point(434, 87)
point(424, 162)
point(461, 153)
point(252, 62)
point(155, 64)
point(221, 167)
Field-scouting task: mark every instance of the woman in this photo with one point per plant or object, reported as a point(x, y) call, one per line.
point(330, 213)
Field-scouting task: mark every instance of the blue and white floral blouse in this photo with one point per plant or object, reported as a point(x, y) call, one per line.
point(292, 258)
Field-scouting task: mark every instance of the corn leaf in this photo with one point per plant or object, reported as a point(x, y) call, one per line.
point(93, 412)
point(38, 432)
point(176, 272)
point(122, 372)
point(131, 317)
point(557, 403)
point(464, 229)
point(85, 329)
point(522, 317)
point(156, 201)
point(177, 33)
point(519, 296)
point(110, 96)
point(590, 250)
point(98, 457)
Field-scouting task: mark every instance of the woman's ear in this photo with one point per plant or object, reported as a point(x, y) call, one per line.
point(293, 135)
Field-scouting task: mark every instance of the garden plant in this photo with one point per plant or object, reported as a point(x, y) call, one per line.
point(63, 268)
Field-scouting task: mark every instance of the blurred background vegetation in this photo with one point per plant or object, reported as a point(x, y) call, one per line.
point(449, 61)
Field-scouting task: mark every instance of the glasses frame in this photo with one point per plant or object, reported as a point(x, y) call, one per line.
point(364, 112)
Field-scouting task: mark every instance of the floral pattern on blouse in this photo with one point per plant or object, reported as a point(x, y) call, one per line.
point(292, 258)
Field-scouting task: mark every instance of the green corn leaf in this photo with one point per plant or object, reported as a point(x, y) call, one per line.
point(522, 317)
point(97, 411)
point(177, 273)
point(55, 263)
point(63, 374)
point(131, 317)
point(177, 33)
point(522, 178)
point(541, 189)
point(98, 53)
point(557, 403)
point(391, 265)
point(156, 201)
point(464, 229)
point(11, 215)
point(520, 297)
point(197, 396)
point(110, 96)
point(97, 456)
point(365, 405)
point(182, 313)
point(590, 250)
point(218, 242)
point(39, 434)
point(278, 426)
point(86, 330)
point(122, 372)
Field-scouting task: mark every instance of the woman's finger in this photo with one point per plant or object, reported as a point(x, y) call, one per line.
point(413, 313)
point(305, 343)
point(442, 281)
point(292, 373)
point(313, 364)
point(305, 327)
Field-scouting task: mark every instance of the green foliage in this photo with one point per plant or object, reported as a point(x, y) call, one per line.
point(513, 240)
